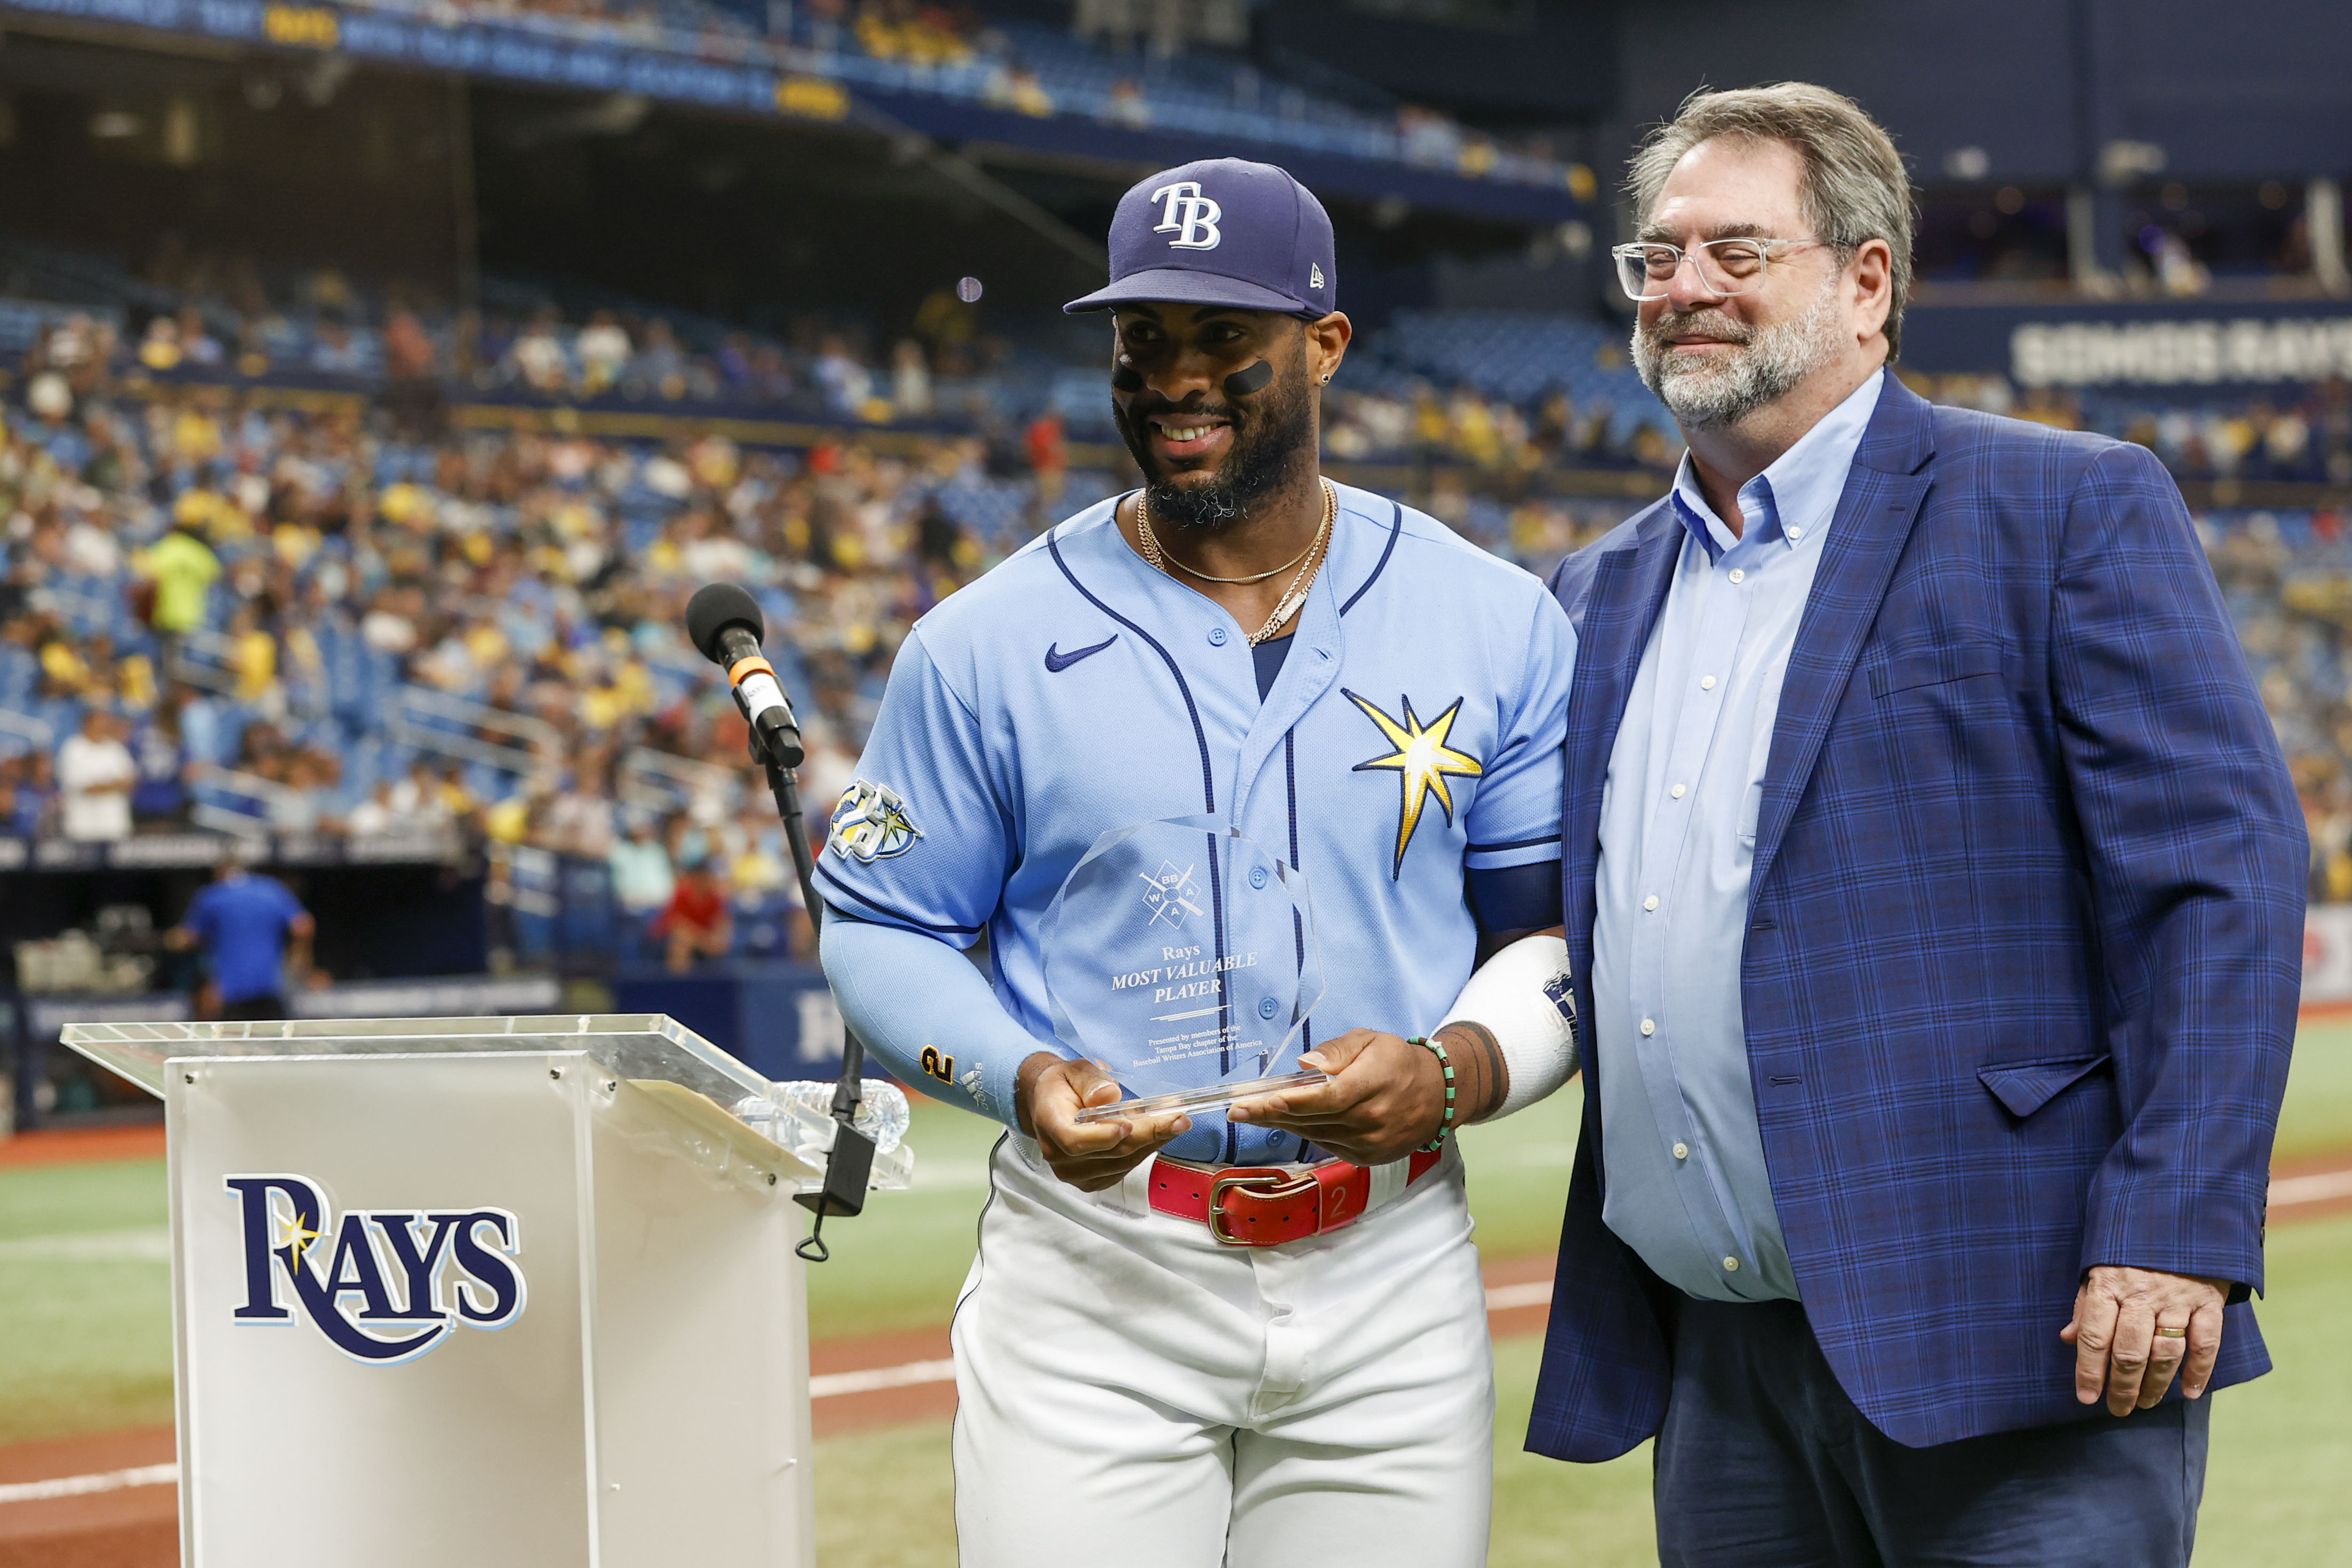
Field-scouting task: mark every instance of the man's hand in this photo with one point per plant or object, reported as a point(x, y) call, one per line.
point(1048, 1093)
point(1385, 1098)
point(2135, 1328)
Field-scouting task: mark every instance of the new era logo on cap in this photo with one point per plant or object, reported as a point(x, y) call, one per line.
point(1222, 231)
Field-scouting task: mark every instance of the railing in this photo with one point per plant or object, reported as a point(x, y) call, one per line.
point(420, 718)
point(659, 781)
point(267, 794)
point(37, 731)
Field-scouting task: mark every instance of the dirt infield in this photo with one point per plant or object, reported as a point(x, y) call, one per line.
point(107, 1519)
point(76, 1145)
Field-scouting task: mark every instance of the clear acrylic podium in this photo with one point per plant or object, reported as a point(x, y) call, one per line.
point(492, 1291)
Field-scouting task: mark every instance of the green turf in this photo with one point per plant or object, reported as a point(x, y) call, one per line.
point(885, 1499)
point(2274, 1487)
point(84, 1342)
point(898, 1265)
point(2275, 1492)
point(2317, 1116)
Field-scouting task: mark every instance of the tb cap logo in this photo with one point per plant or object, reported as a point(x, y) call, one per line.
point(1188, 215)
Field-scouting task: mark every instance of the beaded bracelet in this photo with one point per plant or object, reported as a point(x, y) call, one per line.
point(1445, 1126)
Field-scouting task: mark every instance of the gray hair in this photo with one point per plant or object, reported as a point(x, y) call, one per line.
point(1855, 189)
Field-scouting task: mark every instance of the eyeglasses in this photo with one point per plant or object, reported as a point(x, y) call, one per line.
point(1724, 266)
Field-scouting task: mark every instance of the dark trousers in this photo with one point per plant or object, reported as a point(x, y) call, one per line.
point(268, 1007)
point(1763, 1462)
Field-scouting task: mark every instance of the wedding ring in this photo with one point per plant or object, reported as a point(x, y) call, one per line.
point(2172, 1333)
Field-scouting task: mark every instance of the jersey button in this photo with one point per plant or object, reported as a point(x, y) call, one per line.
point(1257, 876)
point(1216, 636)
point(1268, 1008)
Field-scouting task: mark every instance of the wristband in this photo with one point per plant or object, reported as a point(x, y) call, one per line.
point(1445, 1125)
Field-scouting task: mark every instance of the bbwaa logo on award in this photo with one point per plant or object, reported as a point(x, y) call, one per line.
point(1169, 894)
point(383, 1286)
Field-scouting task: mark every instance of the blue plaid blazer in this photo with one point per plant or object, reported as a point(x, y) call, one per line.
point(2025, 936)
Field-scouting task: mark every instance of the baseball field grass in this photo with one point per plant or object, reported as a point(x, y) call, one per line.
point(85, 1342)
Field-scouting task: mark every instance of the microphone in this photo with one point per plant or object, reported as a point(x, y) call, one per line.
point(725, 625)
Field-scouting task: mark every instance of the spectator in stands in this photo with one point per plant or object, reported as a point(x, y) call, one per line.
point(849, 384)
point(248, 927)
point(1048, 446)
point(159, 800)
point(696, 922)
point(604, 349)
point(182, 567)
point(910, 380)
point(33, 794)
point(642, 878)
point(96, 774)
point(378, 814)
point(536, 357)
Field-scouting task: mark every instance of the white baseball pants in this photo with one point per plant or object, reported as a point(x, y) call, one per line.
point(1133, 1393)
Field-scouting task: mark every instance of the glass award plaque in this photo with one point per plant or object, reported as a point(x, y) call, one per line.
point(1180, 954)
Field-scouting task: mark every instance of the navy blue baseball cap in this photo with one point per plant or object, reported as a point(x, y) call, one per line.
point(1222, 231)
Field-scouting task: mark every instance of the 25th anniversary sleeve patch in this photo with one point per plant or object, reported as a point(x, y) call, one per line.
point(871, 824)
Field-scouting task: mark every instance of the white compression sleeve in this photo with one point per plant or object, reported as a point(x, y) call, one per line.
point(1523, 998)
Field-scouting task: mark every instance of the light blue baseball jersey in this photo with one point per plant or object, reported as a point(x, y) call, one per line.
point(1413, 734)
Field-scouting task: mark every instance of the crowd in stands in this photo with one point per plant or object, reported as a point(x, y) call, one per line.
point(1174, 64)
point(243, 606)
point(2303, 436)
point(1502, 392)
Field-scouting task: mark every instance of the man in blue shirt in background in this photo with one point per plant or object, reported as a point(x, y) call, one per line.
point(245, 924)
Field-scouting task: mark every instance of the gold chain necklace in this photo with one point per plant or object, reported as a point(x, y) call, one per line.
point(1291, 597)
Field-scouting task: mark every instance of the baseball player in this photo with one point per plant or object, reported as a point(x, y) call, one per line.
point(1344, 681)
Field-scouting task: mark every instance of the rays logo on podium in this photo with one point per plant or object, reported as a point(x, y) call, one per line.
point(871, 824)
point(384, 1286)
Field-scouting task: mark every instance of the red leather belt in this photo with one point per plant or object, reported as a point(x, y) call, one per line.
point(1266, 1206)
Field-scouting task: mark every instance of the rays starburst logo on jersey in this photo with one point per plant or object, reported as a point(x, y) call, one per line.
point(1422, 761)
point(871, 824)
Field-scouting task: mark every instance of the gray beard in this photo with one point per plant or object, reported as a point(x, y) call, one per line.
point(1775, 359)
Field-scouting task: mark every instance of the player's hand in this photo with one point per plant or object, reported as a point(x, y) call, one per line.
point(2118, 1332)
point(1048, 1094)
point(1385, 1098)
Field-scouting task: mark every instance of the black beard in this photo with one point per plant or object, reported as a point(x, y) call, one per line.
point(1277, 435)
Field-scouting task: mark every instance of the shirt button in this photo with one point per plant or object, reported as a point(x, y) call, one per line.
point(1731, 1266)
point(1706, 683)
point(1651, 902)
point(1649, 1026)
point(1738, 575)
point(1682, 1150)
point(1676, 791)
point(1268, 1007)
point(1796, 532)
point(1216, 636)
point(1257, 876)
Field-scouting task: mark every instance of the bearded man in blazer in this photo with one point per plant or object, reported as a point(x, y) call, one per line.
point(1934, 884)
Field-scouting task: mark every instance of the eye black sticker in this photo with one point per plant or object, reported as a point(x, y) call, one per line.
point(1248, 379)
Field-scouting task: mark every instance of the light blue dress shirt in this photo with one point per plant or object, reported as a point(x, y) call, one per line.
point(1686, 1186)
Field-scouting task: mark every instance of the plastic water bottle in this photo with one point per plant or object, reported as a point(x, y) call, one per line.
point(882, 1110)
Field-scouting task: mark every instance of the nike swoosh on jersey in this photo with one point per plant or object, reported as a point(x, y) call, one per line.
point(1058, 661)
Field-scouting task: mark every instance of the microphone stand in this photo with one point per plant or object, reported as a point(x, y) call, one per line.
point(851, 1163)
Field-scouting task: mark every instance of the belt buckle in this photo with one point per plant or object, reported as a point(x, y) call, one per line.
point(1262, 1180)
